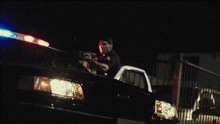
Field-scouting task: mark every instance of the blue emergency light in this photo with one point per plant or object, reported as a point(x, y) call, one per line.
point(5, 33)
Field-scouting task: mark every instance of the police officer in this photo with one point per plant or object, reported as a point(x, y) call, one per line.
point(108, 62)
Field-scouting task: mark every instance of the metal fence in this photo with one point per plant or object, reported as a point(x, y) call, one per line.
point(198, 94)
point(195, 90)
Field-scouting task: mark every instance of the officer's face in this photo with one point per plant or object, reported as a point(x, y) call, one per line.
point(105, 47)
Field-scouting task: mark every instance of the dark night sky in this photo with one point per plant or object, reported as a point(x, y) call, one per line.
point(140, 30)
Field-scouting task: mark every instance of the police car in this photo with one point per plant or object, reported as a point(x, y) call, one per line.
point(41, 84)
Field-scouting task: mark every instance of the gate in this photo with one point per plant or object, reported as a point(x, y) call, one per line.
point(198, 94)
point(193, 90)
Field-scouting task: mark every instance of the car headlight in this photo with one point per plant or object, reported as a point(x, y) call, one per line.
point(164, 109)
point(59, 87)
point(158, 107)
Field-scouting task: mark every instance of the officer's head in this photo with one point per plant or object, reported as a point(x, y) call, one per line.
point(105, 45)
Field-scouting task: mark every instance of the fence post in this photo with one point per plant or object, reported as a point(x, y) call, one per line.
point(179, 80)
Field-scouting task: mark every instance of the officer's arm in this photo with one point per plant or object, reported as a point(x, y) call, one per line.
point(100, 66)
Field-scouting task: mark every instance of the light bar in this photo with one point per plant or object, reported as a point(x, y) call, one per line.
point(23, 37)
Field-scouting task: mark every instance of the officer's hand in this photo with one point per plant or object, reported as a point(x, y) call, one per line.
point(87, 57)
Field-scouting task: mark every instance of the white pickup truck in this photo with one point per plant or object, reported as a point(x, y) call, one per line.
point(138, 77)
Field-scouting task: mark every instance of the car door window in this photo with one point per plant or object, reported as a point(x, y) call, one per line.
point(142, 82)
point(134, 77)
point(137, 79)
